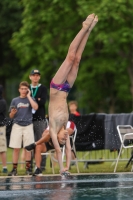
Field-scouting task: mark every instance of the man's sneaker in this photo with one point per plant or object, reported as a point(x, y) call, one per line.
point(38, 172)
point(29, 171)
point(13, 172)
point(30, 147)
point(5, 171)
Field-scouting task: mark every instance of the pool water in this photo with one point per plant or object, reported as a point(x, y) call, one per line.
point(79, 187)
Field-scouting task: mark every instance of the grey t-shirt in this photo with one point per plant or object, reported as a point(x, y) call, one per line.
point(23, 117)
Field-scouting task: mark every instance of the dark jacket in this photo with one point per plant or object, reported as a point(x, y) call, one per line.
point(42, 94)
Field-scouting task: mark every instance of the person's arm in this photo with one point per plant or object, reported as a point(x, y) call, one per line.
point(12, 109)
point(58, 151)
point(70, 131)
point(34, 105)
point(45, 137)
point(12, 113)
point(68, 153)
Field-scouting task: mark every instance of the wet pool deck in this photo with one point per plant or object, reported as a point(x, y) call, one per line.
point(72, 174)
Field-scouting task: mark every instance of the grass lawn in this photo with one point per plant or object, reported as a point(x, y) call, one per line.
point(103, 167)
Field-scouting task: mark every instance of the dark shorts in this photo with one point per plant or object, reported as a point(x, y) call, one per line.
point(49, 146)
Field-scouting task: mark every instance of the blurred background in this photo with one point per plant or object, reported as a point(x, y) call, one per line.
point(37, 34)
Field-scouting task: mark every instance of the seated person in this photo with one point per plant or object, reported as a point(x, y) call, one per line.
point(73, 106)
point(45, 144)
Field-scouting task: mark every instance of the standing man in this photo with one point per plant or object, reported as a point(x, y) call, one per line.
point(20, 111)
point(3, 146)
point(39, 92)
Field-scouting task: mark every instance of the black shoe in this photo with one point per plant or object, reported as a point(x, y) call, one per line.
point(13, 172)
point(30, 147)
point(29, 171)
point(38, 172)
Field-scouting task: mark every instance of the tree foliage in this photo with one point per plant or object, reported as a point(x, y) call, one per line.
point(105, 79)
point(10, 21)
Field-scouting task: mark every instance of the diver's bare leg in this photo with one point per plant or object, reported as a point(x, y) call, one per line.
point(38, 150)
point(74, 70)
point(66, 66)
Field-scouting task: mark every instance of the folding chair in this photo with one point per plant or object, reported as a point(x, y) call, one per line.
point(50, 152)
point(125, 133)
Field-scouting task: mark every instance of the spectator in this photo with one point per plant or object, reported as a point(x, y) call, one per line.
point(3, 145)
point(22, 130)
point(73, 106)
point(39, 92)
point(45, 144)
